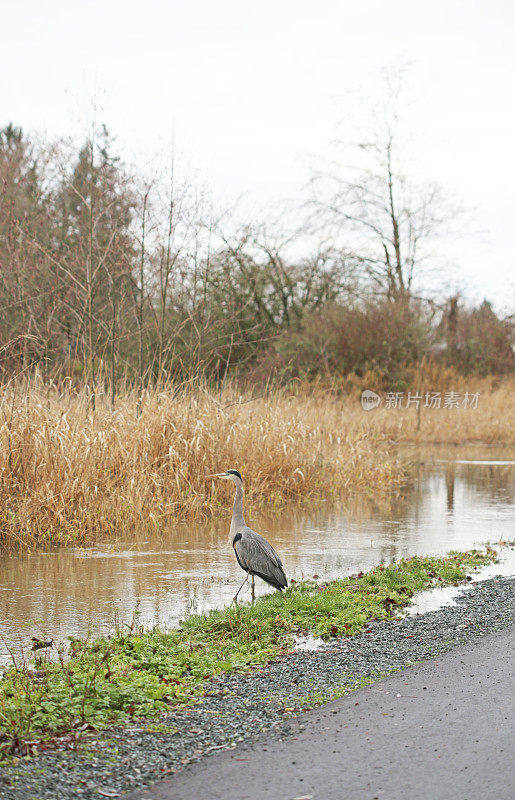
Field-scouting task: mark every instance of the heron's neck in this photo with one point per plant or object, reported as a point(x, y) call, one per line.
point(237, 520)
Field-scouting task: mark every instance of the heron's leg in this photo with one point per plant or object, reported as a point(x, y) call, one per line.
point(253, 591)
point(239, 590)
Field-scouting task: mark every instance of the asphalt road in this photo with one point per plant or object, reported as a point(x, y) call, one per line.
point(441, 730)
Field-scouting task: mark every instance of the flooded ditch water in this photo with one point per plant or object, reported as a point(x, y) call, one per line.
point(460, 497)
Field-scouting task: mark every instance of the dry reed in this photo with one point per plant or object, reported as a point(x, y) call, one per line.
point(68, 475)
point(492, 422)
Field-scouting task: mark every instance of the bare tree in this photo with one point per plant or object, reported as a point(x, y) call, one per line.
point(171, 261)
point(364, 197)
point(96, 205)
point(140, 289)
point(267, 280)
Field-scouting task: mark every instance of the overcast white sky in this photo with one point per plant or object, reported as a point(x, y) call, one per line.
point(250, 88)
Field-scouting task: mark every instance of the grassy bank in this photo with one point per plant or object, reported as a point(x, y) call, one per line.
point(68, 475)
point(138, 673)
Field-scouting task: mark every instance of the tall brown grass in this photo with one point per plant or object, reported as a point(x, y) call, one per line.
point(68, 475)
point(492, 422)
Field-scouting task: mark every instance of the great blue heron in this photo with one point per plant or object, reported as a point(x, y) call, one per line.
point(254, 554)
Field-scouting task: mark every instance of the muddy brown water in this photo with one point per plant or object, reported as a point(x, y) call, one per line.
point(460, 497)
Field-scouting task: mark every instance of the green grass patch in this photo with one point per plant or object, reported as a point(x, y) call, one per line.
point(104, 680)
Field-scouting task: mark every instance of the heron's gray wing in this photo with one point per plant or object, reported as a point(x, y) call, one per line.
point(257, 556)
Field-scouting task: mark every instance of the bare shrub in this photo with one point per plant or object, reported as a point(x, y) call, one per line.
point(382, 337)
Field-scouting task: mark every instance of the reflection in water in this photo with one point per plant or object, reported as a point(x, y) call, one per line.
point(450, 505)
point(450, 479)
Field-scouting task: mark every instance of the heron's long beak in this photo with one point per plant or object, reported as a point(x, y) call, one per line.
point(217, 475)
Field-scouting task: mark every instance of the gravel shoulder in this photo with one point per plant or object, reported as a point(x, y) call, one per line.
point(239, 708)
point(439, 729)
